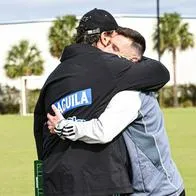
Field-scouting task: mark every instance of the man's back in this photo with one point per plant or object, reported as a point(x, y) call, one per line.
point(76, 168)
point(154, 171)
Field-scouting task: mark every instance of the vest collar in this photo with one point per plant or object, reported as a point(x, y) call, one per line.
point(76, 49)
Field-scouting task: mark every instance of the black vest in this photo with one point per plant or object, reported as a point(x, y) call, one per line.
point(81, 87)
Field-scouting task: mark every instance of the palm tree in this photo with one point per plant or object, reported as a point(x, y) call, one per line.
point(23, 60)
point(61, 34)
point(174, 35)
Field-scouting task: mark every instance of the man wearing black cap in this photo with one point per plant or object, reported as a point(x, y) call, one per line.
point(81, 87)
point(95, 22)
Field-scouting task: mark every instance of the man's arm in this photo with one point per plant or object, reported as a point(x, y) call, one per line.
point(146, 75)
point(120, 112)
point(154, 75)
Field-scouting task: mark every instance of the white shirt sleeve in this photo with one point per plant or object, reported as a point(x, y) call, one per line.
point(119, 113)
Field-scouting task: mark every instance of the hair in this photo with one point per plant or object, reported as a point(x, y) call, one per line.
point(138, 43)
point(83, 37)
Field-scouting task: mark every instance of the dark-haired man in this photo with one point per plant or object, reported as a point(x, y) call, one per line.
point(82, 86)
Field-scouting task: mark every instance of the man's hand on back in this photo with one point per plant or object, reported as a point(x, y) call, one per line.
point(57, 124)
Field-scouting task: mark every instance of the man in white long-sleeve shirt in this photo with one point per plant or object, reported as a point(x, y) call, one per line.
point(138, 115)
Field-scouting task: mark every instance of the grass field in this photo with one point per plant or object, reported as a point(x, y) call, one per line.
point(17, 150)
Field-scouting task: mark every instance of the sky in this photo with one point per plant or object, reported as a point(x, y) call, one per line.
point(17, 10)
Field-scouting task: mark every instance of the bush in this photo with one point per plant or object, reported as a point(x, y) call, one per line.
point(9, 100)
point(186, 95)
point(32, 97)
point(187, 103)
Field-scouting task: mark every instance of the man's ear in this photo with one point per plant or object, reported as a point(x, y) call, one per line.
point(105, 38)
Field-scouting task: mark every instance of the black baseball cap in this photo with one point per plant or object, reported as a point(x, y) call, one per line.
point(97, 21)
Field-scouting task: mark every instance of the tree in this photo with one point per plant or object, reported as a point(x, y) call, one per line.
point(61, 34)
point(23, 60)
point(174, 35)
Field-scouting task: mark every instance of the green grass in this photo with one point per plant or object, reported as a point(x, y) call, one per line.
point(17, 150)
point(181, 127)
point(17, 153)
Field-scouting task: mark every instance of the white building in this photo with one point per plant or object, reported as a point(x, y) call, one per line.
point(37, 32)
